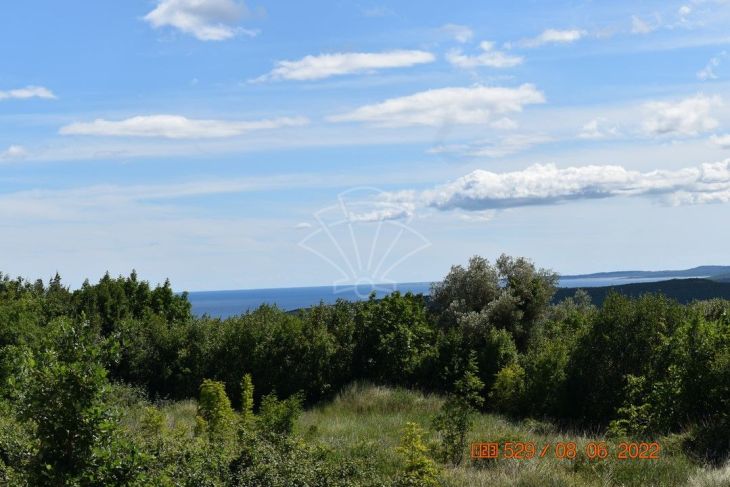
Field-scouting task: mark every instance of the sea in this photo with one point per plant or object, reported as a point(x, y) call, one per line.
point(223, 304)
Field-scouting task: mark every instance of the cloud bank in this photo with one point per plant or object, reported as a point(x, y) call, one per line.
point(547, 184)
point(327, 65)
point(175, 127)
point(474, 105)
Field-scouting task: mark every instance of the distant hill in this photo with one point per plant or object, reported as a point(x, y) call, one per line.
point(705, 271)
point(683, 290)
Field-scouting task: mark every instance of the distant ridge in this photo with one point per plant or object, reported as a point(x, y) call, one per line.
point(705, 271)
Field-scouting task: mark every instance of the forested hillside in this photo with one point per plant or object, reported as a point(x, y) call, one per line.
point(88, 374)
point(681, 290)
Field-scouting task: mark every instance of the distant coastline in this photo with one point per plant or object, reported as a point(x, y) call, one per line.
point(702, 282)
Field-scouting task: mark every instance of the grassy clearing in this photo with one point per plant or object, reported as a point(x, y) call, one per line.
point(364, 422)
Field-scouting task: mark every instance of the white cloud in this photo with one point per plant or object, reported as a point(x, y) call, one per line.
point(13, 152)
point(640, 26)
point(489, 57)
point(460, 33)
point(685, 117)
point(598, 129)
point(708, 72)
point(547, 184)
point(27, 92)
point(474, 105)
point(722, 141)
point(554, 36)
point(326, 65)
point(175, 127)
point(207, 20)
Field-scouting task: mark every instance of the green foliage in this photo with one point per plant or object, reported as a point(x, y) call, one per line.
point(247, 399)
point(215, 409)
point(152, 422)
point(393, 338)
point(16, 447)
point(508, 391)
point(419, 470)
point(642, 367)
point(513, 295)
point(454, 420)
point(65, 400)
point(626, 337)
point(277, 416)
point(284, 461)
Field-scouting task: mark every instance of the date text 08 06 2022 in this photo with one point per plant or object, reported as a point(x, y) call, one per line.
point(525, 450)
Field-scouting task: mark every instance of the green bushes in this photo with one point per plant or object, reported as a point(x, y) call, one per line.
point(393, 339)
point(639, 367)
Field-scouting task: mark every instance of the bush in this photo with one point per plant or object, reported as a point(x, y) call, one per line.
point(265, 462)
point(65, 397)
point(278, 416)
point(419, 470)
point(508, 391)
point(215, 410)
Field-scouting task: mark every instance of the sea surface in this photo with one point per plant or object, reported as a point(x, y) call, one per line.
point(222, 304)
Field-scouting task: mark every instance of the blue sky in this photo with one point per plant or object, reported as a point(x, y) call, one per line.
point(231, 145)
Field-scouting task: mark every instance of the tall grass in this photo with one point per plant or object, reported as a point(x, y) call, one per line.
point(364, 422)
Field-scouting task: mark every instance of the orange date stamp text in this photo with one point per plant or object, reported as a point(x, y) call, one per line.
point(593, 450)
